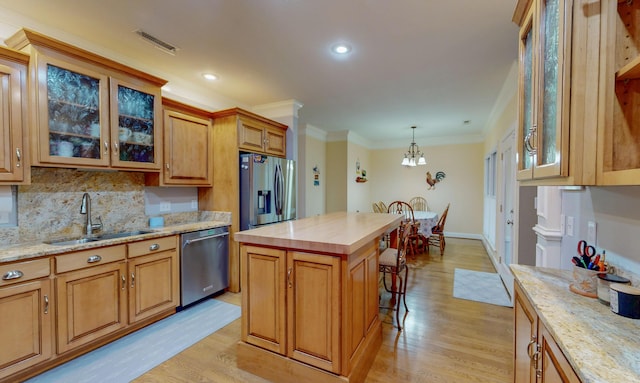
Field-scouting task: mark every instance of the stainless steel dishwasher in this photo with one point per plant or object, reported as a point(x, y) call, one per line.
point(204, 264)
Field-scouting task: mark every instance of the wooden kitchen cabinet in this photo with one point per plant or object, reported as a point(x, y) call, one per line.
point(259, 137)
point(154, 278)
point(89, 111)
point(26, 322)
point(320, 310)
point(558, 103)
point(230, 137)
point(91, 292)
point(188, 147)
point(293, 305)
point(14, 162)
point(619, 130)
point(538, 359)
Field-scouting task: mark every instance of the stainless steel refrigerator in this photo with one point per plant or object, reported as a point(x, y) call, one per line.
point(267, 190)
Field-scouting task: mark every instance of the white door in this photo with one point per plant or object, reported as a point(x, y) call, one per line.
point(506, 216)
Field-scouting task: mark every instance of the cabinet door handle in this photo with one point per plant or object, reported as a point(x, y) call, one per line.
point(528, 145)
point(19, 157)
point(154, 247)
point(46, 304)
point(115, 148)
point(133, 280)
point(124, 281)
point(167, 165)
point(12, 274)
point(106, 148)
point(94, 259)
point(531, 343)
point(289, 274)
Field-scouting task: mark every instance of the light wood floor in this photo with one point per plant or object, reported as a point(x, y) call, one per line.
point(444, 339)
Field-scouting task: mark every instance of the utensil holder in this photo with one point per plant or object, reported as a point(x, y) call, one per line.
point(585, 282)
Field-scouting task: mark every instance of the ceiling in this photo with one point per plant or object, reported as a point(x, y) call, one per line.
point(432, 64)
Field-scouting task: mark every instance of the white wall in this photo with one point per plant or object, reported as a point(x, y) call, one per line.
point(615, 210)
point(313, 149)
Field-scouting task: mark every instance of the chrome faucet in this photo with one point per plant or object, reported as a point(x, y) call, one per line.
point(85, 208)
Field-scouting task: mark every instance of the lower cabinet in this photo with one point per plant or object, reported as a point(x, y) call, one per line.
point(317, 309)
point(154, 277)
point(538, 359)
point(91, 295)
point(26, 304)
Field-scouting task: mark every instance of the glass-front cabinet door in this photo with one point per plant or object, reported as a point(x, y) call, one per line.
point(553, 88)
point(526, 129)
point(135, 131)
point(544, 83)
point(73, 114)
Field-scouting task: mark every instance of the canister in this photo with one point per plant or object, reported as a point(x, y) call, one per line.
point(604, 280)
point(625, 300)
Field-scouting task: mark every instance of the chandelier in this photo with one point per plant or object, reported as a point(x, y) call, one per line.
point(413, 153)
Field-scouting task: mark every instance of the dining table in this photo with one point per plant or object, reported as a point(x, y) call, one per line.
point(427, 220)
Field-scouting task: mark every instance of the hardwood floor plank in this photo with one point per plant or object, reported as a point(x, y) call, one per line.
point(444, 339)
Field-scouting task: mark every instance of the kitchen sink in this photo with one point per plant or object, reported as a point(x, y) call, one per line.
point(67, 242)
point(101, 237)
point(121, 235)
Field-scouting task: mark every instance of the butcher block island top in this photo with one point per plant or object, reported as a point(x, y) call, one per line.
point(310, 297)
point(338, 233)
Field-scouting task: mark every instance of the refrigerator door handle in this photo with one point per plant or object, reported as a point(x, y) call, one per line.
point(278, 186)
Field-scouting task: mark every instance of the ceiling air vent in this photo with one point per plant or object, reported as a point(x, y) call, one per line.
point(164, 46)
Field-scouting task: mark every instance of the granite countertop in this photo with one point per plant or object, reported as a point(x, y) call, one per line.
point(30, 250)
point(336, 233)
point(600, 345)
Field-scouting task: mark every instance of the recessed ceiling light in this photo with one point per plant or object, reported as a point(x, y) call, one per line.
point(341, 48)
point(210, 76)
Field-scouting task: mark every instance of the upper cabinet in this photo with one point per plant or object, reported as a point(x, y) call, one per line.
point(188, 147)
point(14, 161)
point(89, 111)
point(256, 135)
point(619, 133)
point(557, 113)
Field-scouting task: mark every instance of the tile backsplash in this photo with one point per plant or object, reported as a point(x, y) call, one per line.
point(50, 206)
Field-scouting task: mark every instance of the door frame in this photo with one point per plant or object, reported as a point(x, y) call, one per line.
point(508, 141)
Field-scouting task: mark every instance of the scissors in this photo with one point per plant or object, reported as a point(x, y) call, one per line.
point(585, 251)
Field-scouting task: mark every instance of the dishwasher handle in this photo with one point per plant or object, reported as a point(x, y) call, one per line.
point(190, 241)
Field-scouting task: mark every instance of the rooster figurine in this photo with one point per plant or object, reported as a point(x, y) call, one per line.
point(432, 182)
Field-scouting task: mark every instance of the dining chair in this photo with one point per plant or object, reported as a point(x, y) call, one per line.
point(382, 206)
point(393, 261)
point(376, 208)
point(419, 203)
point(437, 232)
point(417, 241)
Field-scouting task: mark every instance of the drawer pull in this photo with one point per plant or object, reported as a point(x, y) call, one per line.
point(13, 274)
point(94, 259)
point(46, 304)
point(154, 247)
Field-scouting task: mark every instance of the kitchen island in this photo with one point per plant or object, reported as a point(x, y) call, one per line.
point(310, 297)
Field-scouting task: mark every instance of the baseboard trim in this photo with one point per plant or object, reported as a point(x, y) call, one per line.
point(463, 235)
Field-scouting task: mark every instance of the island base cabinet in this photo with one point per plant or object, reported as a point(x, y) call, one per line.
point(307, 316)
point(313, 301)
point(25, 325)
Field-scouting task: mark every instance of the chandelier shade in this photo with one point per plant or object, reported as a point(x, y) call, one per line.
point(413, 156)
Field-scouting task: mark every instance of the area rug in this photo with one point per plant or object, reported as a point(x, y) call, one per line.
point(131, 356)
point(481, 287)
